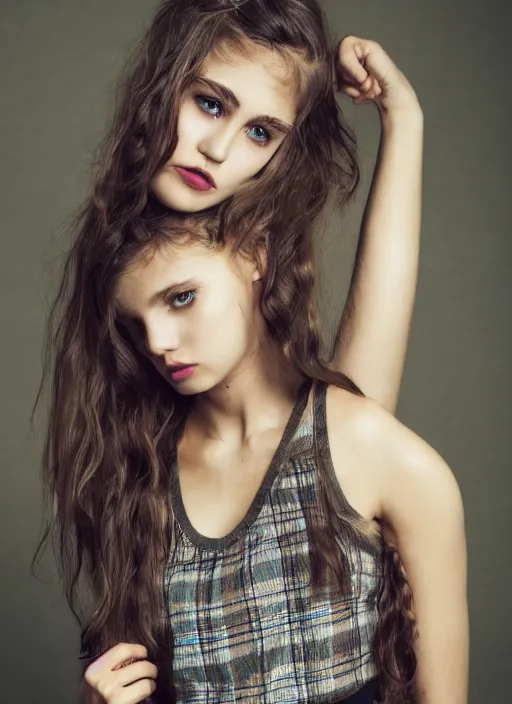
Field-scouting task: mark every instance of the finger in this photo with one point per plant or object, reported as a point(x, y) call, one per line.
point(124, 653)
point(140, 670)
point(364, 97)
point(379, 64)
point(367, 84)
point(352, 91)
point(114, 657)
point(125, 663)
point(135, 693)
point(351, 62)
point(374, 90)
point(371, 58)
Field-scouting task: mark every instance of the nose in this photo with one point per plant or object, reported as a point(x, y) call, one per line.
point(162, 337)
point(216, 145)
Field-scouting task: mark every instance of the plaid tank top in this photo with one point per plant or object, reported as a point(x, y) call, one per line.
point(245, 625)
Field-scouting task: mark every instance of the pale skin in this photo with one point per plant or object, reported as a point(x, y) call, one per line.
point(416, 499)
point(245, 391)
point(233, 142)
point(374, 330)
point(424, 517)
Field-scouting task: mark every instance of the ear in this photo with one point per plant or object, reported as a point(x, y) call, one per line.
point(260, 260)
point(257, 275)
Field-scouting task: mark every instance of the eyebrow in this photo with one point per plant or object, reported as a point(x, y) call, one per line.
point(227, 95)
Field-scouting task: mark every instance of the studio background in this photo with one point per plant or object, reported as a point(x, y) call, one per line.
point(59, 60)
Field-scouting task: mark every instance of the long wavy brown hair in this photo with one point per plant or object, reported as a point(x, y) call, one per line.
point(113, 425)
point(316, 160)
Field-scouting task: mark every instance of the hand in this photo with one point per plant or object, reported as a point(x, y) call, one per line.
point(368, 75)
point(122, 675)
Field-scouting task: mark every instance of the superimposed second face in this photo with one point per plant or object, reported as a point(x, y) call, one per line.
point(232, 120)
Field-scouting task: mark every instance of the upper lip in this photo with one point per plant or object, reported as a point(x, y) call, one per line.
point(203, 173)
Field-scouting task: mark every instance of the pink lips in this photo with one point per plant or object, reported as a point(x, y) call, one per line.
point(194, 179)
point(183, 373)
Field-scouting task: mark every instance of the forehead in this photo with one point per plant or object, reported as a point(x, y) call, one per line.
point(164, 265)
point(261, 79)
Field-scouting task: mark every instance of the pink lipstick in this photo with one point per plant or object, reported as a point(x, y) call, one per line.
point(182, 373)
point(196, 178)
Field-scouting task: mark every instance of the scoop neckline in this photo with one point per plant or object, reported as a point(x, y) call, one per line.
point(217, 544)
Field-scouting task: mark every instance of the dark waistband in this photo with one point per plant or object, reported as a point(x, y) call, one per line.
point(369, 694)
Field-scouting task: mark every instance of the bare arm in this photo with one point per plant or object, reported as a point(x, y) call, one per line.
point(374, 330)
point(389, 473)
point(423, 508)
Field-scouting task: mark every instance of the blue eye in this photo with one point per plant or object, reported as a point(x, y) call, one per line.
point(209, 105)
point(260, 134)
point(183, 300)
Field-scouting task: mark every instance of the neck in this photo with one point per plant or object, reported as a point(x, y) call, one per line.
point(256, 397)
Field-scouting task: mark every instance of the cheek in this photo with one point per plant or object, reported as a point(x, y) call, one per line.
point(252, 158)
point(247, 160)
point(191, 125)
point(223, 324)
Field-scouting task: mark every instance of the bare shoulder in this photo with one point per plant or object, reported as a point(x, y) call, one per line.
point(395, 476)
point(371, 448)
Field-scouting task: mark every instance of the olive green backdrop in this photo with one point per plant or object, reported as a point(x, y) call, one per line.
point(58, 60)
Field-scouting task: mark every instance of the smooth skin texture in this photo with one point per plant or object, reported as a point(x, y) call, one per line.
point(232, 121)
point(374, 329)
point(230, 141)
point(131, 678)
point(388, 474)
point(392, 476)
point(372, 343)
point(189, 305)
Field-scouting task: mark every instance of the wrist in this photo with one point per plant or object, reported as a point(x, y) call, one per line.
point(407, 119)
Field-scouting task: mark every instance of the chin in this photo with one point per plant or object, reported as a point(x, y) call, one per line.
point(194, 386)
point(191, 387)
point(184, 389)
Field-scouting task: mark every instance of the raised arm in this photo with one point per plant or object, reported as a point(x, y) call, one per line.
point(374, 330)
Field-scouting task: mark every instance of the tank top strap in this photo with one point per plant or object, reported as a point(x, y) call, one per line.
point(323, 450)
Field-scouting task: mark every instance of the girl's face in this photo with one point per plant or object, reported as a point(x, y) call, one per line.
point(232, 120)
point(194, 312)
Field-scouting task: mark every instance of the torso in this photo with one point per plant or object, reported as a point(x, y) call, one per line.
point(245, 623)
point(218, 484)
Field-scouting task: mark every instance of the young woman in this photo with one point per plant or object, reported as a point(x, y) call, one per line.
point(243, 92)
point(117, 522)
point(216, 456)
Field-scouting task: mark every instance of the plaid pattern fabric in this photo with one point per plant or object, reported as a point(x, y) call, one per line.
point(245, 625)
